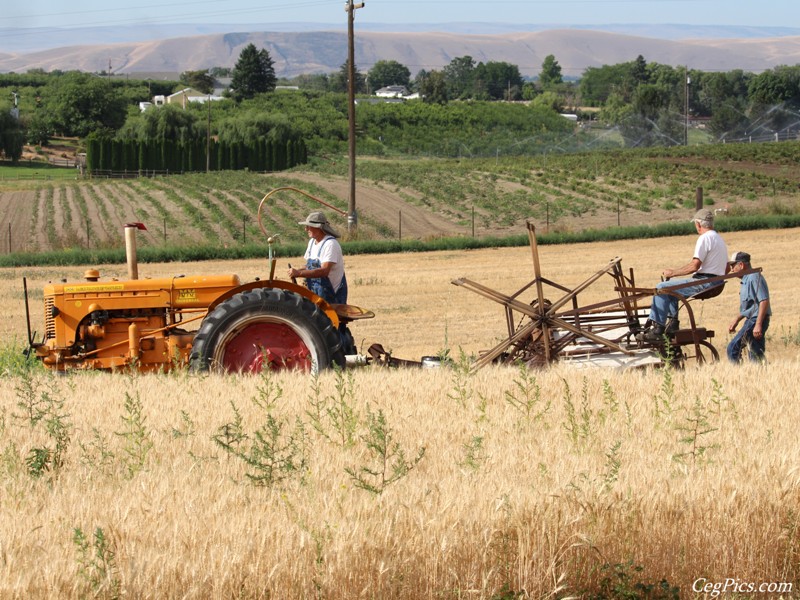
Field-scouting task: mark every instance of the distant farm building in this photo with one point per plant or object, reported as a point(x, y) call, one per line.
point(186, 95)
point(392, 91)
point(182, 98)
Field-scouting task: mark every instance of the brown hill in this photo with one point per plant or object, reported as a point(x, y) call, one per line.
point(325, 52)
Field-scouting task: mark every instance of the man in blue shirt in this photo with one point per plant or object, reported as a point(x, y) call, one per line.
point(754, 309)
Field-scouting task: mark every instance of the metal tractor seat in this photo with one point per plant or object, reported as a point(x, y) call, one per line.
point(708, 293)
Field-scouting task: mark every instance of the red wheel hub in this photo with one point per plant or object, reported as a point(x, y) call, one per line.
point(274, 343)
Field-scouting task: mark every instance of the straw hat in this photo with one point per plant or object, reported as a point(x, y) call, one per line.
point(319, 220)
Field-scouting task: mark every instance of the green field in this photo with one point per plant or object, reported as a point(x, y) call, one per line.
point(33, 171)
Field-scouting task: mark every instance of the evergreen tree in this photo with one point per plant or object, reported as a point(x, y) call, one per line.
point(338, 81)
point(639, 72)
point(12, 136)
point(254, 73)
point(551, 73)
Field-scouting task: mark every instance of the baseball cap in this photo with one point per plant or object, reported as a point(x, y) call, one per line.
point(703, 215)
point(737, 257)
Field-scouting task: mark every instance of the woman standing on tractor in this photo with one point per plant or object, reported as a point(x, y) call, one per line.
point(324, 270)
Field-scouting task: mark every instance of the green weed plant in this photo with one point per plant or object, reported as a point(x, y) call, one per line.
point(97, 564)
point(136, 435)
point(387, 462)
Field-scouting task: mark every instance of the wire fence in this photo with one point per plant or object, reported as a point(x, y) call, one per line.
point(759, 138)
point(125, 174)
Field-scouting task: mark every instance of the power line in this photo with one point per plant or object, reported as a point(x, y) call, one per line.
point(99, 10)
point(161, 18)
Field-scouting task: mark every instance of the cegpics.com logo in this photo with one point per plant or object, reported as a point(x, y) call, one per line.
point(736, 586)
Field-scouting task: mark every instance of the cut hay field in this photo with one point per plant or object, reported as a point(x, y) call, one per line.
point(556, 483)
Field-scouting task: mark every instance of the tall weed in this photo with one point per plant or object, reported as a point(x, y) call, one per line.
point(525, 396)
point(97, 563)
point(334, 416)
point(387, 459)
point(138, 440)
point(43, 408)
point(276, 451)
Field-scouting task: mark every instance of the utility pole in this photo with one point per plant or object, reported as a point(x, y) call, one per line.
point(352, 215)
point(688, 82)
point(208, 136)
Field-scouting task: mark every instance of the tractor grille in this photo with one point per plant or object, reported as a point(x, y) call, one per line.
point(49, 320)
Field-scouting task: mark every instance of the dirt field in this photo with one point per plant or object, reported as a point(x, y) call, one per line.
point(389, 207)
point(16, 213)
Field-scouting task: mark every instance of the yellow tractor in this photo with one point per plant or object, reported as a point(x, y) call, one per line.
point(208, 322)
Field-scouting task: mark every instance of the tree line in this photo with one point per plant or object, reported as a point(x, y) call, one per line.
point(649, 103)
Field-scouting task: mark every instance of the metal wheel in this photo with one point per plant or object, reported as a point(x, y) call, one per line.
point(707, 353)
point(266, 328)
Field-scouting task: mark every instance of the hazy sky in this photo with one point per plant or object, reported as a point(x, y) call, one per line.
point(57, 13)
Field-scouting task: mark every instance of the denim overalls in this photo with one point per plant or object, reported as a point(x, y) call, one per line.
point(322, 286)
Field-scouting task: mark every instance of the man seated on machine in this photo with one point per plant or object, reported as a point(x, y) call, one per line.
point(710, 259)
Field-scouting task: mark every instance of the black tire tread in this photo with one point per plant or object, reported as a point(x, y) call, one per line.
point(264, 300)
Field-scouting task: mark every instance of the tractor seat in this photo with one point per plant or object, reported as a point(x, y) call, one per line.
point(349, 312)
point(711, 292)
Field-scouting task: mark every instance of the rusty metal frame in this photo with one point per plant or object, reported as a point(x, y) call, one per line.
point(574, 321)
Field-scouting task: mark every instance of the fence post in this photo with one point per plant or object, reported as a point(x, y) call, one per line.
point(547, 226)
point(698, 198)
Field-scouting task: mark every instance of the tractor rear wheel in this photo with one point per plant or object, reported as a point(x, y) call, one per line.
point(266, 328)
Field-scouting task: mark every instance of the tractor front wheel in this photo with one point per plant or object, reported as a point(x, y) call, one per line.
point(266, 328)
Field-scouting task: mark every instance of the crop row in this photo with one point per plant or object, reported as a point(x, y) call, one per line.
point(218, 209)
point(507, 190)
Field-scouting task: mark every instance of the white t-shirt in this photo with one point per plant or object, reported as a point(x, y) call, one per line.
point(328, 250)
point(712, 252)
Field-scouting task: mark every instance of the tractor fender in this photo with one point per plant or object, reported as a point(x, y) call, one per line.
point(323, 305)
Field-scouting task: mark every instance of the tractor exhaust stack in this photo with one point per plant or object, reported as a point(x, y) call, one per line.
point(130, 248)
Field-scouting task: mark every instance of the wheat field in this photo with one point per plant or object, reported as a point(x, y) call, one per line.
point(431, 483)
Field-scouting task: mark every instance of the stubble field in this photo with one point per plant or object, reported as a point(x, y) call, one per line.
point(501, 484)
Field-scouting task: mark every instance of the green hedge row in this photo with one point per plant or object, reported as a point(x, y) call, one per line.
point(105, 154)
point(259, 250)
